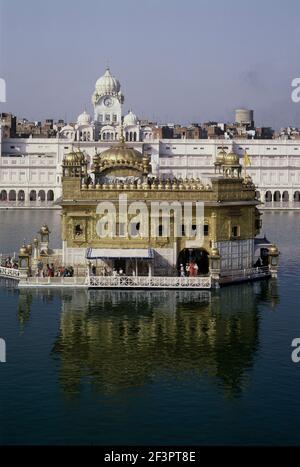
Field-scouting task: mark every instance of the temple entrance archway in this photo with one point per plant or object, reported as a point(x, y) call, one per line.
point(196, 255)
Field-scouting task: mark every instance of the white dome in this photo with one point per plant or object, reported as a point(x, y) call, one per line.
point(84, 119)
point(130, 119)
point(107, 84)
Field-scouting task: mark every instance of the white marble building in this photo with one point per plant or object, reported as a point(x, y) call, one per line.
point(30, 168)
point(275, 164)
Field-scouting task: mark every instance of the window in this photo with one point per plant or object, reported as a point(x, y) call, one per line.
point(160, 230)
point(107, 117)
point(235, 231)
point(206, 230)
point(78, 230)
point(115, 118)
point(100, 118)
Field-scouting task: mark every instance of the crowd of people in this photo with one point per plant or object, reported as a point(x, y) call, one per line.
point(51, 271)
point(188, 270)
point(106, 272)
point(9, 263)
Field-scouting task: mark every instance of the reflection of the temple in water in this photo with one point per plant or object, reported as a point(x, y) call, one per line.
point(122, 339)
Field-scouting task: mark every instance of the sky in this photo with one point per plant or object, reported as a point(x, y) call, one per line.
point(178, 61)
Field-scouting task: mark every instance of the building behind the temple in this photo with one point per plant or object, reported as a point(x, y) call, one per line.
point(32, 153)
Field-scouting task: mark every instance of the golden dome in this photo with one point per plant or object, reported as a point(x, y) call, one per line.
point(231, 159)
point(215, 252)
point(23, 250)
point(273, 250)
point(74, 158)
point(123, 155)
point(70, 158)
point(221, 157)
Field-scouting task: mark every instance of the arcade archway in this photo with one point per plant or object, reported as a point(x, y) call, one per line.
point(3, 195)
point(50, 195)
point(268, 196)
point(21, 195)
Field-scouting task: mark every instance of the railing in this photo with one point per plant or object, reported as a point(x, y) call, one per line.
point(54, 281)
point(10, 273)
point(127, 282)
point(159, 282)
point(248, 273)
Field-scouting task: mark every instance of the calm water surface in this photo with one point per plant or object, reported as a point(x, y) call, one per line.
point(160, 367)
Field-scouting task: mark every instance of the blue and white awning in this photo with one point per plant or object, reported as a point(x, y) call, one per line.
point(98, 253)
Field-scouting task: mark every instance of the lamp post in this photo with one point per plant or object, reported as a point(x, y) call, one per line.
point(215, 266)
point(35, 255)
point(44, 234)
point(273, 260)
point(24, 261)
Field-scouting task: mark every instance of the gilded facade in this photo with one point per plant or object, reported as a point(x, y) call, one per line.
point(231, 219)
